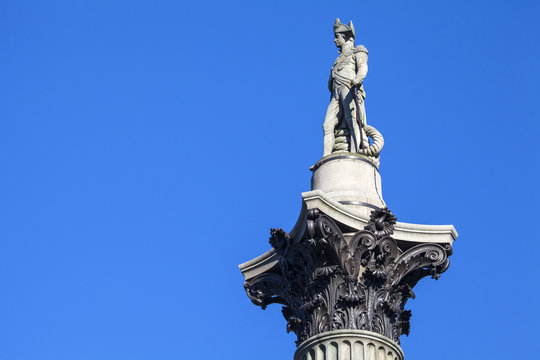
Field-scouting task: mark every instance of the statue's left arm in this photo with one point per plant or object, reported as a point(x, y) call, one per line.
point(360, 57)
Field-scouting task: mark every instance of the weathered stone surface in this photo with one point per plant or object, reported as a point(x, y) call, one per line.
point(349, 179)
point(406, 234)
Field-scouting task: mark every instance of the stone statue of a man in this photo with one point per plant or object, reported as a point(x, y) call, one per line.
point(345, 84)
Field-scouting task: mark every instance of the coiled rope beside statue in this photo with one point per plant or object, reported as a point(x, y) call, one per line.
point(377, 143)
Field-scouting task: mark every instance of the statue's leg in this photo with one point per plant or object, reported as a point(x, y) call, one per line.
point(349, 113)
point(330, 121)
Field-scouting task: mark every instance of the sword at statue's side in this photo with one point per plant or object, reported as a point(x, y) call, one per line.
point(354, 90)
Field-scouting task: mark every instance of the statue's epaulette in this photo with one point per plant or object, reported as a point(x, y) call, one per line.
point(360, 48)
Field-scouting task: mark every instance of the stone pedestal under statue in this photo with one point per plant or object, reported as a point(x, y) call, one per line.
point(349, 179)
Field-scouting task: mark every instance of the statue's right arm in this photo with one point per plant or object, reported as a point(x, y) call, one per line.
point(361, 66)
point(330, 82)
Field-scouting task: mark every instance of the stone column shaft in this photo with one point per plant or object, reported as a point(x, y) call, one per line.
point(348, 345)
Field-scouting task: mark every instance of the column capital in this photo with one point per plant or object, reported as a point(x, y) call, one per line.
point(331, 277)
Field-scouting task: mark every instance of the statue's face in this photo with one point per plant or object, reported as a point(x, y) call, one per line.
point(339, 39)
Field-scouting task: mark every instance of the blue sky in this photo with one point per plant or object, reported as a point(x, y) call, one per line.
point(148, 147)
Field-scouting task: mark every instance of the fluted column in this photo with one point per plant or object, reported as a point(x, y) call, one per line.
point(348, 345)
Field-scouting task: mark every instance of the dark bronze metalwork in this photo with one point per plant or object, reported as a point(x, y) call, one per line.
point(328, 280)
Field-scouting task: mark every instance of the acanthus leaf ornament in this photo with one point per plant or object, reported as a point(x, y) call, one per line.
point(328, 281)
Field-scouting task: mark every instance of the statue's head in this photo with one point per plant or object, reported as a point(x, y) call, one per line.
point(343, 33)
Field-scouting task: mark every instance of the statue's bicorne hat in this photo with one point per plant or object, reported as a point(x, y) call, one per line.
point(342, 28)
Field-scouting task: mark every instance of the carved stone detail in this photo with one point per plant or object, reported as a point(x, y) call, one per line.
point(330, 281)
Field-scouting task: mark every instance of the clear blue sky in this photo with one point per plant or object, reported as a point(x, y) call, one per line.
point(146, 149)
